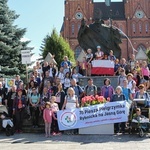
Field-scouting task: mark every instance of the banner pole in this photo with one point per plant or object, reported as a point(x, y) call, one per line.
point(27, 72)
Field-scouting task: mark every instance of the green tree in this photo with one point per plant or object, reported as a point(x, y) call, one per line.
point(148, 54)
point(10, 42)
point(56, 45)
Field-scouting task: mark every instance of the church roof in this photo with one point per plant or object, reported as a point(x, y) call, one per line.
point(117, 10)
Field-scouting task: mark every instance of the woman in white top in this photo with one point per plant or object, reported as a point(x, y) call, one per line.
point(67, 81)
point(71, 100)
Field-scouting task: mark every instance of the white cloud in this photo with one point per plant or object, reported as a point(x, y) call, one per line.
point(24, 39)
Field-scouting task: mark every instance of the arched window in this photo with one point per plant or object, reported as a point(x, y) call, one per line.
point(146, 27)
point(121, 28)
point(133, 27)
point(140, 27)
point(79, 26)
point(72, 29)
point(77, 51)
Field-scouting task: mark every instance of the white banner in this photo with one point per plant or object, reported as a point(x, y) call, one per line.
point(103, 63)
point(26, 56)
point(107, 113)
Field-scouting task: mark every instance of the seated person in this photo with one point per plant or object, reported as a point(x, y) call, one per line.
point(138, 117)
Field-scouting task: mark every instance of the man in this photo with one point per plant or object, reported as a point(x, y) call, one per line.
point(17, 81)
point(99, 54)
point(121, 77)
point(66, 61)
point(2, 94)
point(125, 65)
point(52, 70)
point(90, 89)
point(78, 90)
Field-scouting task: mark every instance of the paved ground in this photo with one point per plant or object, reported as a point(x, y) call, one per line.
point(73, 142)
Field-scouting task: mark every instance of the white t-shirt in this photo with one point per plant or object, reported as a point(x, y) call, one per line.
point(71, 101)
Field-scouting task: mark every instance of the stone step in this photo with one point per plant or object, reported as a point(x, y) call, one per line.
point(30, 129)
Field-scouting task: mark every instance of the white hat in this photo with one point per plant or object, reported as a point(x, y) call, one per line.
point(98, 46)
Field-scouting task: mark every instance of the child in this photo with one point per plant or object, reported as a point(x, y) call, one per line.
point(55, 108)
point(47, 116)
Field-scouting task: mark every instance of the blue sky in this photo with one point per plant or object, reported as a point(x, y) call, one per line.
point(39, 17)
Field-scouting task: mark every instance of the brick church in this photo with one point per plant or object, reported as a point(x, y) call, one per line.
point(131, 17)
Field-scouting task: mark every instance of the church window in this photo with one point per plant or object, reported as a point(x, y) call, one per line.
point(78, 27)
point(72, 29)
point(133, 27)
point(121, 28)
point(146, 27)
point(140, 27)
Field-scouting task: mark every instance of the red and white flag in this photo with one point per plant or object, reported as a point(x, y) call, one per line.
point(102, 67)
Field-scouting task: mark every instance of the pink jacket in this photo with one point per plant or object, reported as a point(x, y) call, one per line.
point(47, 115)
point(145, 71)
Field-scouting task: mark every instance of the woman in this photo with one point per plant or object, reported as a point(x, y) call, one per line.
point(71, 102)
point(67, 82)
point(19, 109)
point(89, 57)
point(44, 98)
point(145, 74)
point(142, 94)
point(119, 96)
point(10, 98)
point(34, 101)
point(107, 90)
point(60, 96)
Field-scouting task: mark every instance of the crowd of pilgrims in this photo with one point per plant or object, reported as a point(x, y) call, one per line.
point(49, 90)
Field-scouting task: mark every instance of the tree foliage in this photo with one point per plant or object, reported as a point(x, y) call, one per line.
point(57, 46)
point(148, 54)
point(10, 42)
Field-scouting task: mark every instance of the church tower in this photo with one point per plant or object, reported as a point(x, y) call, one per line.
point(75, 11)
point(137, 13)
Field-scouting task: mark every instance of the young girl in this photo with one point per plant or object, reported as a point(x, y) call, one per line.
point(55, 108)
point(47, 116)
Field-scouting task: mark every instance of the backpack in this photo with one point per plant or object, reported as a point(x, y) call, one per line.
point(80, 93)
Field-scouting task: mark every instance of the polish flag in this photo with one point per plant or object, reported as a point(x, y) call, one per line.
point(102, 67)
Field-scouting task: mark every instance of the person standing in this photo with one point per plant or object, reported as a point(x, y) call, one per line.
point(78, 90)
point(90, 89)
point(89, 57)
point(99, 55)
point(60, 96)
point(10, 99)
point(71, 102)
point(107, 90)
point(19, 110)
point(34, 101)
point(47, 117)
point(119, 96)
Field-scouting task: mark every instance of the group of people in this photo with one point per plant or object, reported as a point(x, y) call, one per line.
point(49, 90)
